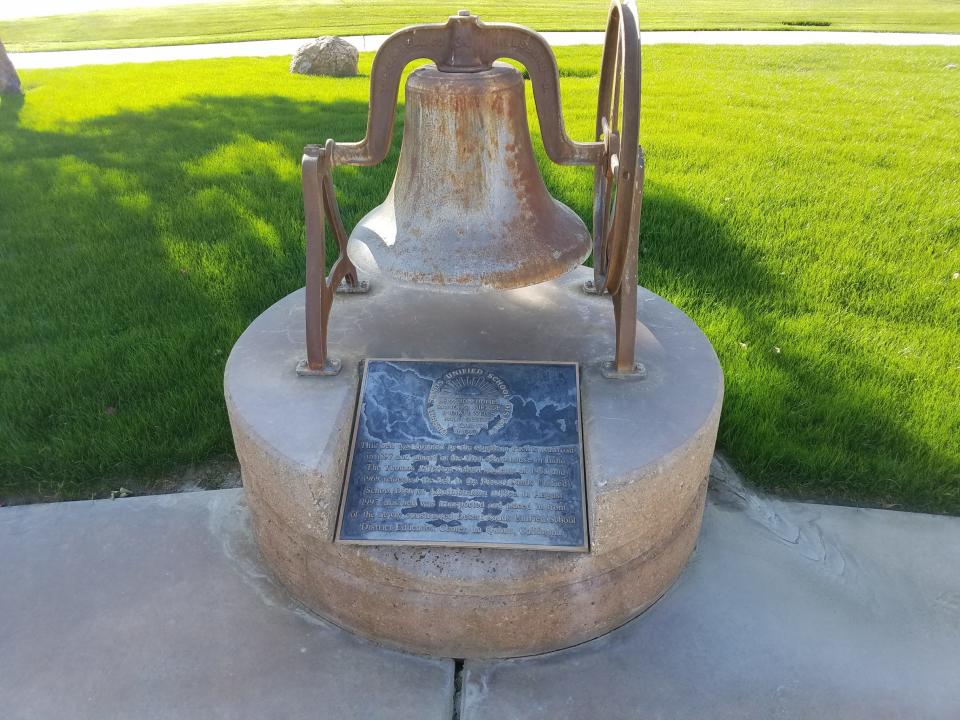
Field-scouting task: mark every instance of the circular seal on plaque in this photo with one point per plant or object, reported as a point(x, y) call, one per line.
point(467, 401)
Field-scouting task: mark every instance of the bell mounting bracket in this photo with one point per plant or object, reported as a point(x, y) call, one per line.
point(464, 44)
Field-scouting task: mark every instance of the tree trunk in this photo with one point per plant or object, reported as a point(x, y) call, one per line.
point(9, 80)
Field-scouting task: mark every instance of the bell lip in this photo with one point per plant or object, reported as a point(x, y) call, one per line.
point(366, 244)
point(519, 276)
point(427, 283)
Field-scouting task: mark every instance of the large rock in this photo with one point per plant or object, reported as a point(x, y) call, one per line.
point(9, 80)
point(326, 56)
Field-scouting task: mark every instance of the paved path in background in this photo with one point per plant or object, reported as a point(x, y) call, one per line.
point(266, 48)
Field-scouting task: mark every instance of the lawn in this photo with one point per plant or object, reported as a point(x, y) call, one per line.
point(271, 19)
point(803, 206)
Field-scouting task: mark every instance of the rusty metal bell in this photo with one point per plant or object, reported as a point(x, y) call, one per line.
point(468, 208)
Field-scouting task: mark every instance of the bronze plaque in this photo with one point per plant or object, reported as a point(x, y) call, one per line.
point(466, 453)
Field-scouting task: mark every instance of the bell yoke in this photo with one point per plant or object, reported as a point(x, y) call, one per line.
point(468, 209)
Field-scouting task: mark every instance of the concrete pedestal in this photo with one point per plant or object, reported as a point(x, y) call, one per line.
point(648, 445)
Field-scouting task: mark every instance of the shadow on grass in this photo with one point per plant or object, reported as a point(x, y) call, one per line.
point(10, 107)
point(136, 249)
point(792, 422)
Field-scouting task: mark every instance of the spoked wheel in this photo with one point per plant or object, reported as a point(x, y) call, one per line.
point(618, 127)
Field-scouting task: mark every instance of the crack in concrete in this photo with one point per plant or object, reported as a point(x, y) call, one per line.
point(457, 689)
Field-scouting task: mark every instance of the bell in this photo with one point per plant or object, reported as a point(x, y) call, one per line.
point(468, 208)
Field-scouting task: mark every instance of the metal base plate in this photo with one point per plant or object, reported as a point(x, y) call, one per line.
point(590, 287)
point(332, 367)
point(609, 371)
point(345, 288)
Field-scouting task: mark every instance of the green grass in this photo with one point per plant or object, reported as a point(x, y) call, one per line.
point(270, 19)
point(802, 205)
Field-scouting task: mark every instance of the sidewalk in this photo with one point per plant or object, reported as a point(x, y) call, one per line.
point(160, 607)
point(366, 43)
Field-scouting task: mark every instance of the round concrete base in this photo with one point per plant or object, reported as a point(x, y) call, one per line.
point(647, 446)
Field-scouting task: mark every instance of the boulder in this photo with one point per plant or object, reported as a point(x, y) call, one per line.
point(326, 56)
point(9, 80)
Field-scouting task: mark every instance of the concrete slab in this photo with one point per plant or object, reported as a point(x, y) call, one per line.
point(158, 607)
point(786, 610)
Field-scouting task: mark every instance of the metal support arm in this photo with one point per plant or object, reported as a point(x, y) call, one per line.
point(465, 44)
point(618, 182)
point(320, 207)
